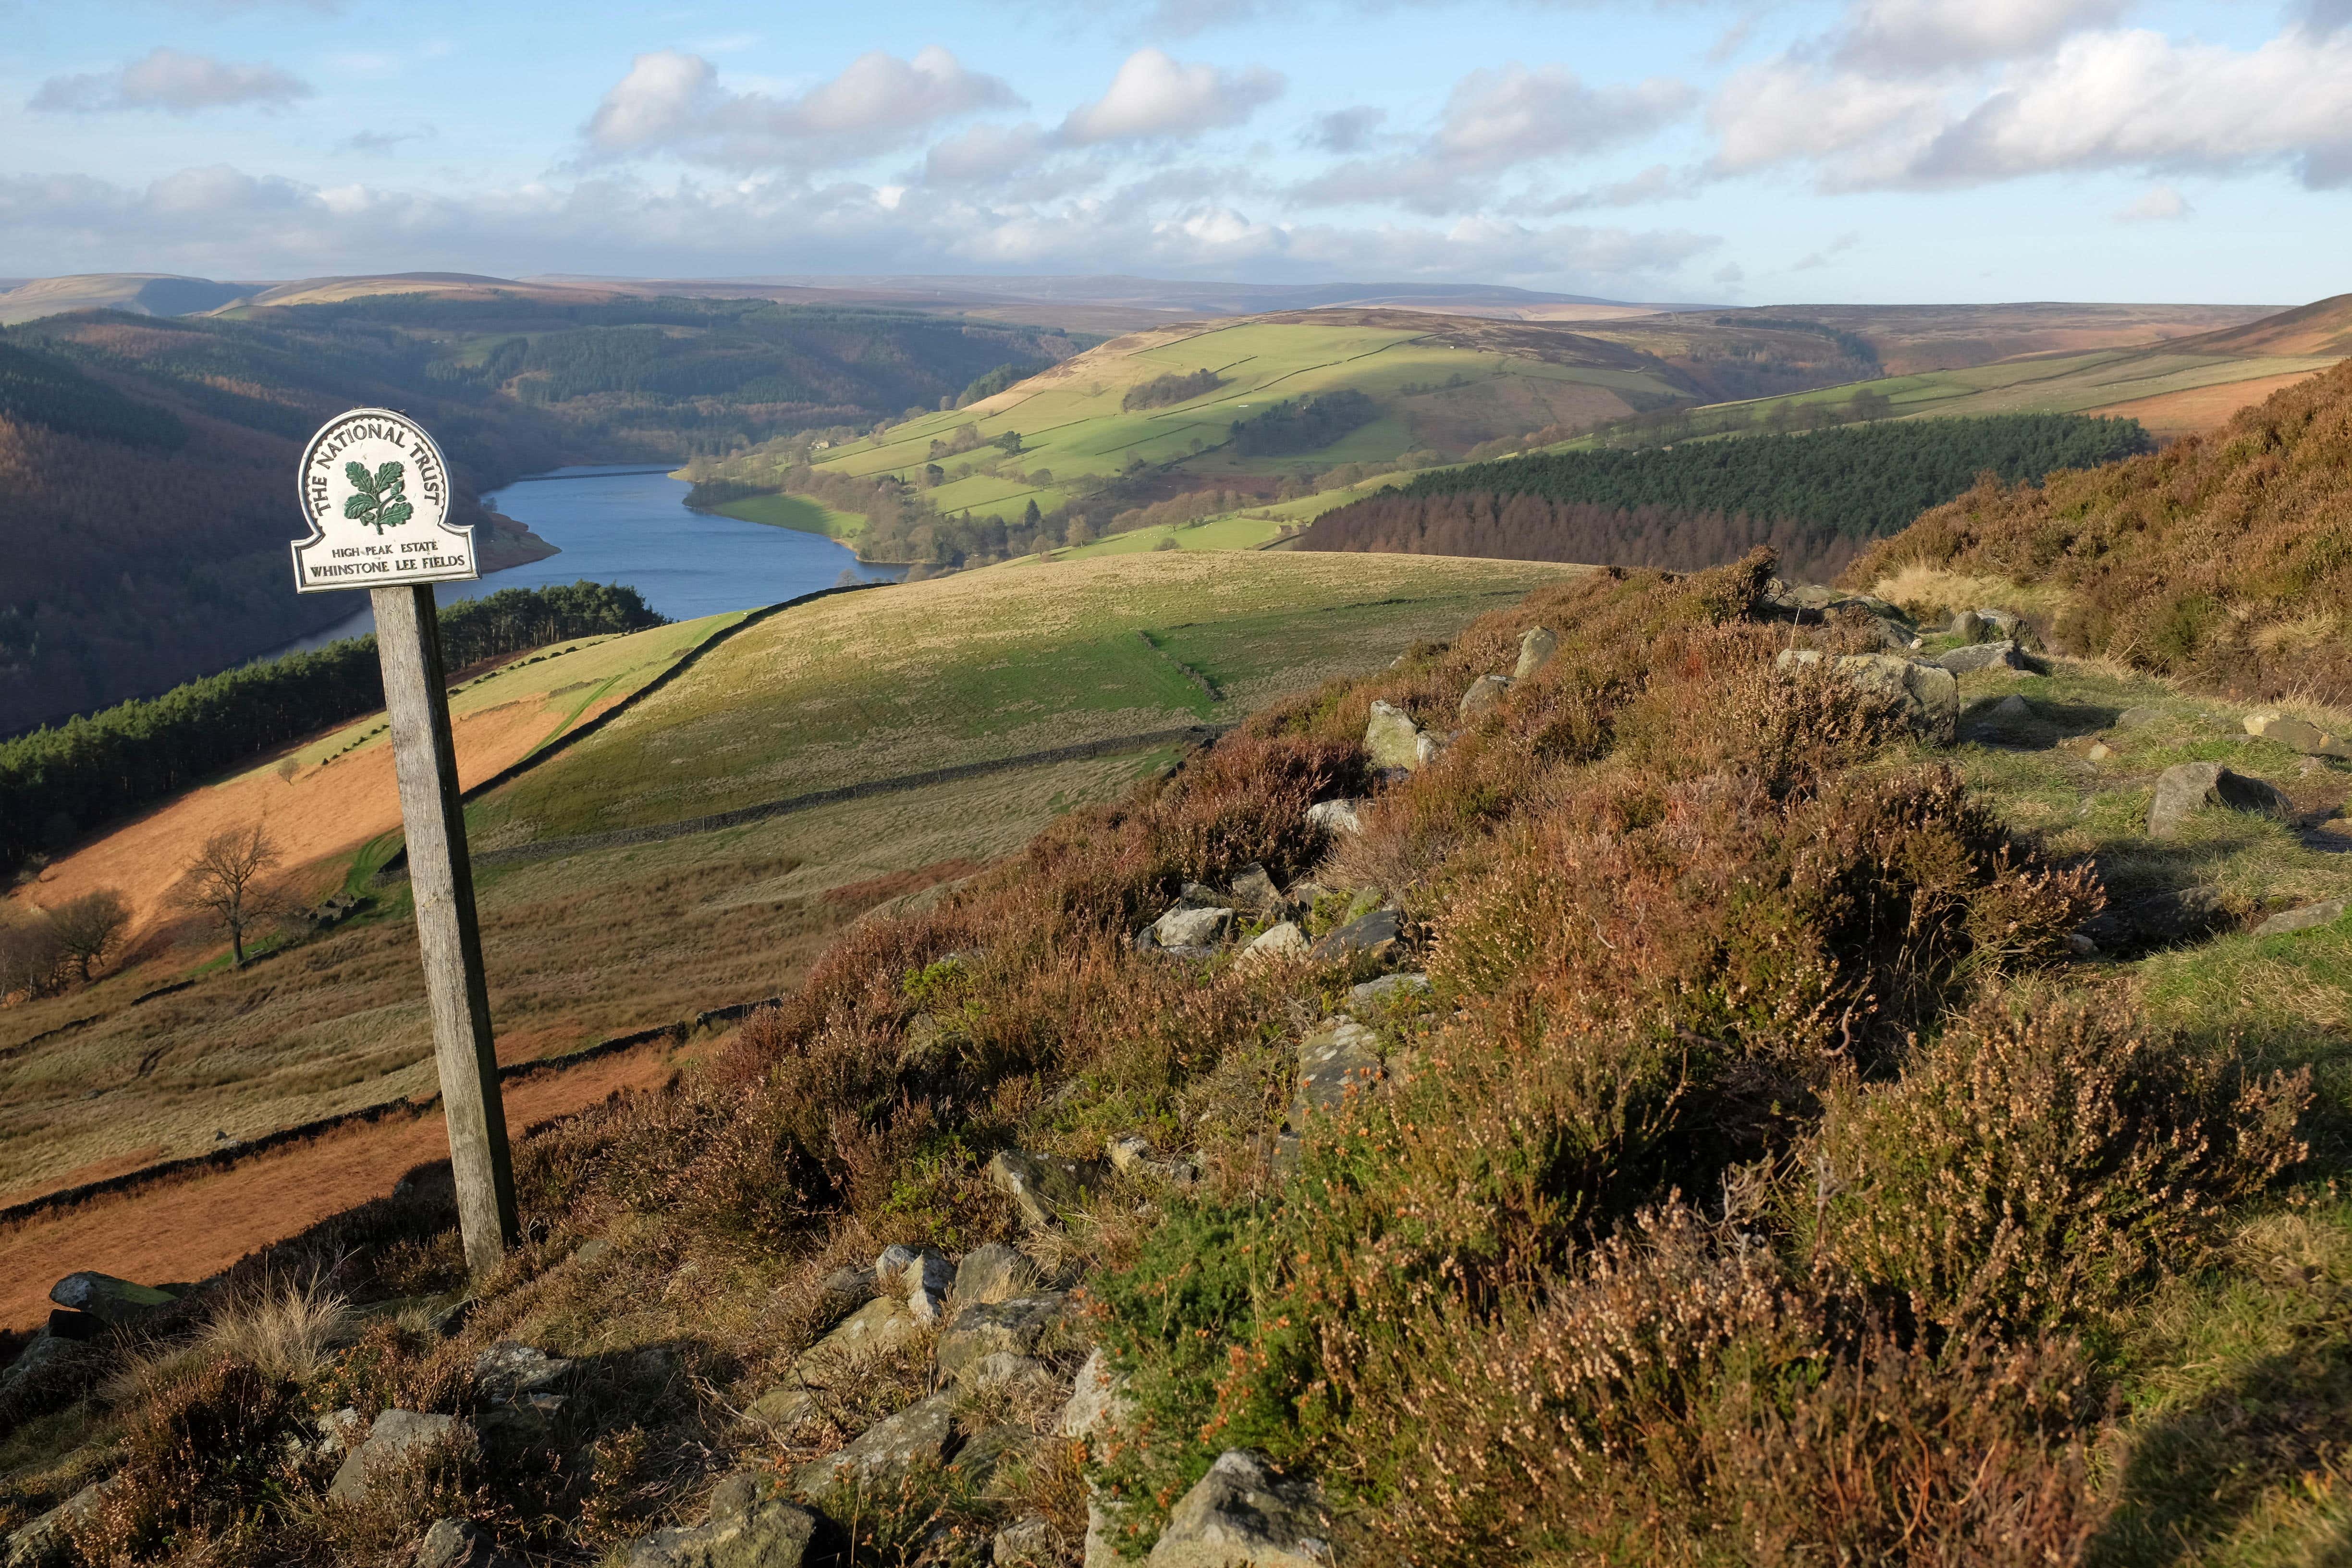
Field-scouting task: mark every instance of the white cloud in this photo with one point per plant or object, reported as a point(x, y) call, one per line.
point(173, 81)
point(1345, 129)
point(1820, 257)
point(2159, 206)
point(220, 222)
point(672, 102)
point(1155, 95)
point(1937, 34)
point(1494, 121)
point(984, 154)
point(2118, 100)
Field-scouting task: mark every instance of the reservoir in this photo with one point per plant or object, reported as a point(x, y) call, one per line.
point(630, 525)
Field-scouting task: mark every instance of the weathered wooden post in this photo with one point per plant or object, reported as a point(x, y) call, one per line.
point(375, 491)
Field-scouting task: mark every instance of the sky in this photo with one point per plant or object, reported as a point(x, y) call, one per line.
point(1715, 150)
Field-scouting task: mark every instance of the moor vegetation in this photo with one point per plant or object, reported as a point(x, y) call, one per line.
point(1754, 1183)
point(2225, 559)
point(57, 784)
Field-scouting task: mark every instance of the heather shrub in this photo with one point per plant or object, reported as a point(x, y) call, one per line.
point(200, 1460)
point(2038, 1168)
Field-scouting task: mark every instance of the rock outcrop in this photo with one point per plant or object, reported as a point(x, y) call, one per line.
point(2297, 735)
point(395, 1438)
point(2186, 788)
point(1042, 1186)
point(1536, 645)
point(1242, 1515)
point(746, 1528)
point(1928, 696)
point(1392, 739)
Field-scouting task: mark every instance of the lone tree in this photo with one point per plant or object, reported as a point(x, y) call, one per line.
point(224, 882)
point(89, 927)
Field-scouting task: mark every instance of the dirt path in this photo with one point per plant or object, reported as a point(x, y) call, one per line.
point(197, 1226)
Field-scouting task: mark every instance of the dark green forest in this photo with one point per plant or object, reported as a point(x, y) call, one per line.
point(1309, 424)
point(1862, 481)
point(1163, 391)
point(1814, 499)
point(57, 784)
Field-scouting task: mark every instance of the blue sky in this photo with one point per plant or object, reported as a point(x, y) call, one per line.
point(1717, 149)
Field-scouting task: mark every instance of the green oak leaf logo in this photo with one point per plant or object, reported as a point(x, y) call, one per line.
point(383, 499)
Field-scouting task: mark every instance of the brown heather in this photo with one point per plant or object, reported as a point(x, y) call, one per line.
point(2225, 559)
point(1715, 1209)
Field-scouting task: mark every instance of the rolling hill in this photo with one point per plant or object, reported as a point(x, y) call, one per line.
point(2221, 561)
point(134, 293)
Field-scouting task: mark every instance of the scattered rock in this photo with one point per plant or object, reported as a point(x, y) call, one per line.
point(41, 1539)
point(1134, 1155)
point(745, 1530)
point(392, 1437)
point(2297, 735)
point(1341, 1056)
point(846, 1289)
point(2139, 718)
point(981, 1457)
point(1374, 934)
point(1485, 692)
point(992, 1272)
point(2080, 945)
point(74, 1328)
point(1387, 989)
point(1024, 1544)
point(339, 1429)
point(2158, 917)
point(2185, 786)
point(1968, 626)
point(1337, 816)
point(2305, 918)
point(1242, 1515)
point(1286, 939)
point(1928, 696)
point(1098, 1401)
point(115, 1302)
point(511, 1370)
point(1392, 738)
point(43, 1351)
point(1042, 1186)
point(2007, 624)
point(1192, 928)
point(458, 1543)
point(2002, 655)
point(1425, 748)
point(452, 1318)
point(1254, 888)
point(2099, 751)
point(917, 1435)
point(1536, 645)
point(920, 1276)
point(1016, 1327)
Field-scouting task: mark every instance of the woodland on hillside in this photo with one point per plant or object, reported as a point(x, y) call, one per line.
point(2225, 559)
point(1814, 499)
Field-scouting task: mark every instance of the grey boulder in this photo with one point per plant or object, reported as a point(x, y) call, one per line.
point(1391, 738)
point(1485, 692)
point(1337, 816)
point(458, 1543)
point(1928, 696)
point(1388, 990)
point(1536, 645)
point(2309, 918)
point(394, 1439)
point(2185, 787)
point(917, 1436)
point(1098, 1400)
point(1374, 934)
point(1242, 1515)
point(745, 1530)
point(992, 1272)
point(1282, 941)
point(1192, 928)
point(1016, 1327)
point(1042, 1186)
point(2002, 655)
point(2297, 735)
point(116, 1303)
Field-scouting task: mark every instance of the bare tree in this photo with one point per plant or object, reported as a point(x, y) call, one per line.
point(31, 957)
point(89, 927)
point(224, 882)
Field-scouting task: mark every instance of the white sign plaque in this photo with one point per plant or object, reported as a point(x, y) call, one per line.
point(376, 494)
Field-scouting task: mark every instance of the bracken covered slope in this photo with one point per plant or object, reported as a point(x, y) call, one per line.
point(2224, 559)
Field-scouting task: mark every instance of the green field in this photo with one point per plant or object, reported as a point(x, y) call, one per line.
point(796, 512)
point(1435, 397)
point(984, 665)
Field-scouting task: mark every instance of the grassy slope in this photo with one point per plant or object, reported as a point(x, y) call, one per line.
point(856, 688)
point(797, 512)
point(986, 665)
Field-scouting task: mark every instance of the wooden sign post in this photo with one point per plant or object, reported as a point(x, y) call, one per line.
point(377, 493)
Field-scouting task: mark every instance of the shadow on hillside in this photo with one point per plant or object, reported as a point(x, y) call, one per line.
point(2278, 1430)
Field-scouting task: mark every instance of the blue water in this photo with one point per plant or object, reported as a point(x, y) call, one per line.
point(629, 525)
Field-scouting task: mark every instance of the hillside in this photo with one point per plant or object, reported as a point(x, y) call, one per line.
point(1049, 688)
point(2222, 560)
point(1163, 420)
point(1684, 1114)
point(1814, 499)
point(146, 466)
point(135, 293)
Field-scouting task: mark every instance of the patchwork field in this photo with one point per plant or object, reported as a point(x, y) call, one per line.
point(849, 691)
